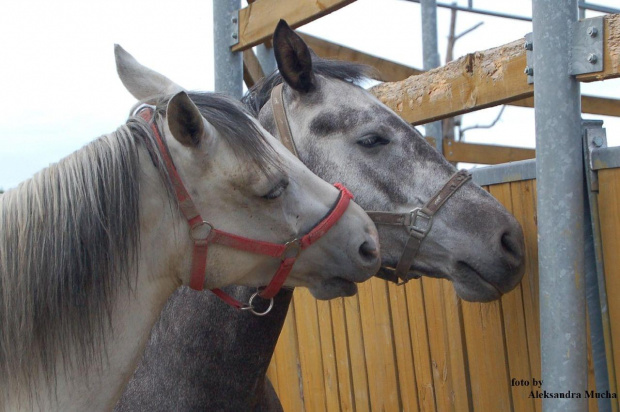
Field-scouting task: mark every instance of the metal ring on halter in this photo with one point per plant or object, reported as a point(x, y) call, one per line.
point(251, 308)
point(194, 231)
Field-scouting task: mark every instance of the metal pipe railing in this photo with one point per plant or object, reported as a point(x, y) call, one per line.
point(559, 171)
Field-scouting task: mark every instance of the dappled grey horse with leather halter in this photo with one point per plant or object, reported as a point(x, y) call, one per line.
point(341, 132)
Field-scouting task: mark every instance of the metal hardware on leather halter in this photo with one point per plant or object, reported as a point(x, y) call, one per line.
point(203, 233)
point(251, 308)
point(279, 115)
point(418, 222)
point(417, 231)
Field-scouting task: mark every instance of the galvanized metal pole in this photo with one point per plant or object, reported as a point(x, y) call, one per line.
point(266, 58)
point(431, 58)
point(228, 65)
point(559, 170)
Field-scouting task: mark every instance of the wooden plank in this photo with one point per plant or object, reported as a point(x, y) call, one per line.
point(487, 356)
point(472, 82)
point(483, 153)
point(524, 210)
point(420, 346)
point(287, 361)
point(402, 343)
point(310, 356)
point(252, 71)
point(515, 329)
point(609, 215)
point(457, 349)
point(592, 402)
point(439, 346)
point(356, 351)
point(388, 71)
point(328, 352)
point(258, 21)
point(380, 363)
point(343, 364)
point(479, 80)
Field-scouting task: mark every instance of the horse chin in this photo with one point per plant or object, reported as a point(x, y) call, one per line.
point(333, 288)
point(470, 285)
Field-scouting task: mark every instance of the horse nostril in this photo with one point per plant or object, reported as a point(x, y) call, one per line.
point(369, 250)
point(511, 245)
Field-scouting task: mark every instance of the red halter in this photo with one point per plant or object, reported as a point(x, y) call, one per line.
point(203, 232)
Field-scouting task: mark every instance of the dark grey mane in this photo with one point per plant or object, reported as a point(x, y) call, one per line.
point(260, 93)
point(70, 237)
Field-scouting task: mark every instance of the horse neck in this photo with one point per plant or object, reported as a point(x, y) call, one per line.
point(221, 359)
point(134, 312)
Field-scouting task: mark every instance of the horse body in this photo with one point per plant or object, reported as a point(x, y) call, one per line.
point(93, 247)
point(341, 132)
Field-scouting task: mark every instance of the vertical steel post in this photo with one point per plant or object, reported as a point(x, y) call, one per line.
point(266, 58)
point(559, 170)
point(431, 58)
point(228, 65)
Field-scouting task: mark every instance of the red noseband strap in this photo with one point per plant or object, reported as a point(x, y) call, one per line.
point(203, 233)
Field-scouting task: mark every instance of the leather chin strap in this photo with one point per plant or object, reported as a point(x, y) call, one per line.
point(418, 222)
point(204, 233)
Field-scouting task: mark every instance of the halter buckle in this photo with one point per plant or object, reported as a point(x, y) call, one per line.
point(420, 223)
point(200, 231)
point(292, 249)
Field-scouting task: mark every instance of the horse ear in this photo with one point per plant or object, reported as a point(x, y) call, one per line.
point(185, 121)
point(294, 58)
point(142, 82)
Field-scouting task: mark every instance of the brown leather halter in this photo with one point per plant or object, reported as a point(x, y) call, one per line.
point(418, 222)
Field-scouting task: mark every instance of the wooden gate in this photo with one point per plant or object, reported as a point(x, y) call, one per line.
point(418, 347)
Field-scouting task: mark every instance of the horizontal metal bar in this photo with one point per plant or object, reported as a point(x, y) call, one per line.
point(605, 158)
point(582, 5)
point(505, 172)
point(596, 7)
point(479, 11)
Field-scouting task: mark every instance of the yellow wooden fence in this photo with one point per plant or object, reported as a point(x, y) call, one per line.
point(418, 347)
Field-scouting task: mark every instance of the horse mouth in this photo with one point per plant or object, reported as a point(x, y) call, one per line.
point(473, 273)
point(334, 287)
point(468, 272)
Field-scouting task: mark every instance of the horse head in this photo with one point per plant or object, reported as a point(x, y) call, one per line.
point(244, 182)
point(342, 132)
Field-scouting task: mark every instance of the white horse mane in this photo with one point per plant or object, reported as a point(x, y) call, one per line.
point(69, 240)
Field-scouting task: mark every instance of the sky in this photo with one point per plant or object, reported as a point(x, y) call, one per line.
point(60, 88)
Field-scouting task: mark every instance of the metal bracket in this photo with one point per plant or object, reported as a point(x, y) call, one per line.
point(234, 28)
point(529, 56)
point(587, 46)
point(586, 51)
point(594, 138)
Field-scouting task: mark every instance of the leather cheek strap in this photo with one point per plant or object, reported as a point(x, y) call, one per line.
point(418, 222)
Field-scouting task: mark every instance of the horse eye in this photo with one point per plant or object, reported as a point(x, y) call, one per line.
point(277, 190)
point(369, 142)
